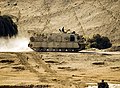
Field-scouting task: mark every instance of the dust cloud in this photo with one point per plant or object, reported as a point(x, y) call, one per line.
point(10, 41)
point(18, 44)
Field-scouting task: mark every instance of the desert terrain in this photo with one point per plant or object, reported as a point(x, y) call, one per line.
point(58, 69)
point(21, 67)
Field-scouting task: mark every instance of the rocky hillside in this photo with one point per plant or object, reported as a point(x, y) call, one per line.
point(86, 17)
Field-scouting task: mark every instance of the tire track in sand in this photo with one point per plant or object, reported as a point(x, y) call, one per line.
point(38, 59)
point(23, 60)
point(51, 76)
point(61, 80)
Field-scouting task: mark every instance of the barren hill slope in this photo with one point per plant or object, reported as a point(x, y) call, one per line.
point(86, 17)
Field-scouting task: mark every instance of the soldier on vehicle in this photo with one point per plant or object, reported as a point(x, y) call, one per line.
point(73, 32)
point(63, 30)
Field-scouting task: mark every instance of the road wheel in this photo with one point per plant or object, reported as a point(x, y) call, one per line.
point(63, 50)
point(32, 39)
point(56, 50)
point(69, 50)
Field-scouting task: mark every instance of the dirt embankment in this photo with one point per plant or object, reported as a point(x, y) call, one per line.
point(86, 17)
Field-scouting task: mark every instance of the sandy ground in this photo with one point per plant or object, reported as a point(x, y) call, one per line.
point(61, 70)
point(58, 69)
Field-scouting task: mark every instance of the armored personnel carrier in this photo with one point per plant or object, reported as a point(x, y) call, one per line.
point(57, 42)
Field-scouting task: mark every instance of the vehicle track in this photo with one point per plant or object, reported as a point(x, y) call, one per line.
point(52, 74)
point(50, 77)
point(41, 77)
point(60, 80)
point(38, 59)
point(23, 60)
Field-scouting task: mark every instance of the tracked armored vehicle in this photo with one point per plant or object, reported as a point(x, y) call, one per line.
point(57, 42)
